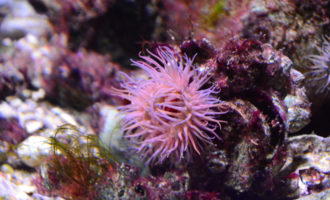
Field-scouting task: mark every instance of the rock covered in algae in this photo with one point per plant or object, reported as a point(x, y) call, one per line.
point(256, 83)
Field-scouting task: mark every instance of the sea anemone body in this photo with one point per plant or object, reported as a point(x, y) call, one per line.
point(319, 76)
point(169, 115)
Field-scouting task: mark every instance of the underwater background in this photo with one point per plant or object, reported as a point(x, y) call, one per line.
point(164, 99)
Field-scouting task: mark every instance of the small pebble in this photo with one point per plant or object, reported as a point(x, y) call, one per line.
point(34, 150)
point(32, 126)
point(7, 169)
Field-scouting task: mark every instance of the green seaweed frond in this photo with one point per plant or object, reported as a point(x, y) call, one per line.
point(77, 162)
point(210, 19)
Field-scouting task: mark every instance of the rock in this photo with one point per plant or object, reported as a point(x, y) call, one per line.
point(325, 195)
point(112, 137)
point(33, 116)
point(23, 20)
point(34, 150)
point(298, 115)
point(315, 150)
point(7, 169)
point(110, 133)
point(9, 190)
point(308, 167)
point(33, 125)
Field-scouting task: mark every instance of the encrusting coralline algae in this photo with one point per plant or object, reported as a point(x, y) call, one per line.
point(164, 99)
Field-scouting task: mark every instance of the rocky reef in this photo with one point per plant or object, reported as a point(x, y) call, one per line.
point(162, 99)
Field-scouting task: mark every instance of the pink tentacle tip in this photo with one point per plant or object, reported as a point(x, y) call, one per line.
point(172, 100)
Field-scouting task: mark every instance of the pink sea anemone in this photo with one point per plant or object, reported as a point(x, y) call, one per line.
point(319, 74)
point(169, 115)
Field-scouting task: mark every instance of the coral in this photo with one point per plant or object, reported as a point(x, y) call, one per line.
point(169, 115)
point(319, 73)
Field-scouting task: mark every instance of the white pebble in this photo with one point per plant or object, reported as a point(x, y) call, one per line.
point(33, 125)
point(34, 150)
